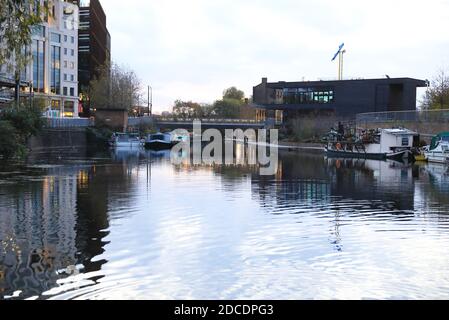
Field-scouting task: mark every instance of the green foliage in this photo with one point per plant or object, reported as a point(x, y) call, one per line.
point(187, 110)
point(227, 108)
point(17, 125)
point(233, 93)
point(9, 140)
point(28, 121)
point(98, 136)
point(232, 106)
point(437, 96)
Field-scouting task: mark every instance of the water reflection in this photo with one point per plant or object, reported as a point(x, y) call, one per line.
point(133, 225)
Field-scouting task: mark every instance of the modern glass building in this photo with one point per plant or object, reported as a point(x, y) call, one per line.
point(343, 98)
point(53, 69)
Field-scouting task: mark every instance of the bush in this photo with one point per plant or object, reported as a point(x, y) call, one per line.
point(10, 144)
point(17, 124)
point(309, 129)
point(28, 121)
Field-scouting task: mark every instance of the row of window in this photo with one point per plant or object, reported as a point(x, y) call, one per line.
point(72, 52)
point(72, 64)
point(65, 91)
point(66, 77)
point(307, 96)
point(56, 37)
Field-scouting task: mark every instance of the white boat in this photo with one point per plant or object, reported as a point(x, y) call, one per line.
point(179, 138)
point(126, 140)
point(438, 151)
point(394, 144)
point(159, 141)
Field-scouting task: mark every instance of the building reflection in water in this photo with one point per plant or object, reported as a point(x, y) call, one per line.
point(53, 222)
point(55, 219)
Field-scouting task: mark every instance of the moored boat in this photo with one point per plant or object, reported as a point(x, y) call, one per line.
point(394, 144)
point(438, 151)
point(159, 141)
point(125, 140)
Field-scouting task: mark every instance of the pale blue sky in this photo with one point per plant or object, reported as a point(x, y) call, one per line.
point(192, 50)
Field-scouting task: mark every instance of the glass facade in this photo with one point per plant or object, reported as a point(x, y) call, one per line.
point(37, 48)
point(55, 37)
point(38, 30)
point(308, 95)
point(55, 72)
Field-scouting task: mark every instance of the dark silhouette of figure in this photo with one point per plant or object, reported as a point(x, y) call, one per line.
point(341, 130)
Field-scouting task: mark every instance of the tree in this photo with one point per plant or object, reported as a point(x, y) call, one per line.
point(17, 17)
point(187, 109)
point(114, 88)
point(437, 96)
point(231, 104)
point(227, 108)
point(233, 93)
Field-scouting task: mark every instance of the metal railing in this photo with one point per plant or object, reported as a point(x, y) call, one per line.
point(209, 120)
point(69, 122)
point(135, 121)
point(405, 116)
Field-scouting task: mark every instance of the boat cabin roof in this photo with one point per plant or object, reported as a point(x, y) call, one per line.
point(400, 132)
point(126, 134)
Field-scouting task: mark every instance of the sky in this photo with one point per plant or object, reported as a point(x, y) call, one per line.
point(193, 50)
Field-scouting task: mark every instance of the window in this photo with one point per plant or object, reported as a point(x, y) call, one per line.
point(307, 96)
point(65, 38)
point(72, 65)
point(38, 53)
point(72, 77)
point(73, 52)
point(65, 64)
point(65, 76)
point(38, 30)
point(69, 108)
point(73, 39)
point(72, 92)
point(405, 142)
point(55, 37)
point(64, 91)
point(65, 51)
point(55, 72)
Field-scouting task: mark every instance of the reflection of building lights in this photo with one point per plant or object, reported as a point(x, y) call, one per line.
point(83, 179)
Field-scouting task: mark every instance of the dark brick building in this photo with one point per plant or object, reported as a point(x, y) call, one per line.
point(94, 43)
point(344, 98)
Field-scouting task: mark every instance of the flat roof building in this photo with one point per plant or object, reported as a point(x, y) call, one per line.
point(343, 98)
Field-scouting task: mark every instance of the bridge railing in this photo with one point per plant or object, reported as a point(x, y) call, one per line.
point(135, 121)
point(69, 122)
point(405, 116)
point(209, 120)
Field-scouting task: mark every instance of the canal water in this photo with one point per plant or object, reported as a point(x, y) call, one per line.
point(131, 225)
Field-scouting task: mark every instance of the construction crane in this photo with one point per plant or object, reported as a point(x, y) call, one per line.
point(340, 54)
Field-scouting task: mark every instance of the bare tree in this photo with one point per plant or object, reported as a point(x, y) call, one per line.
point(115, 88)
point(437, 96)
